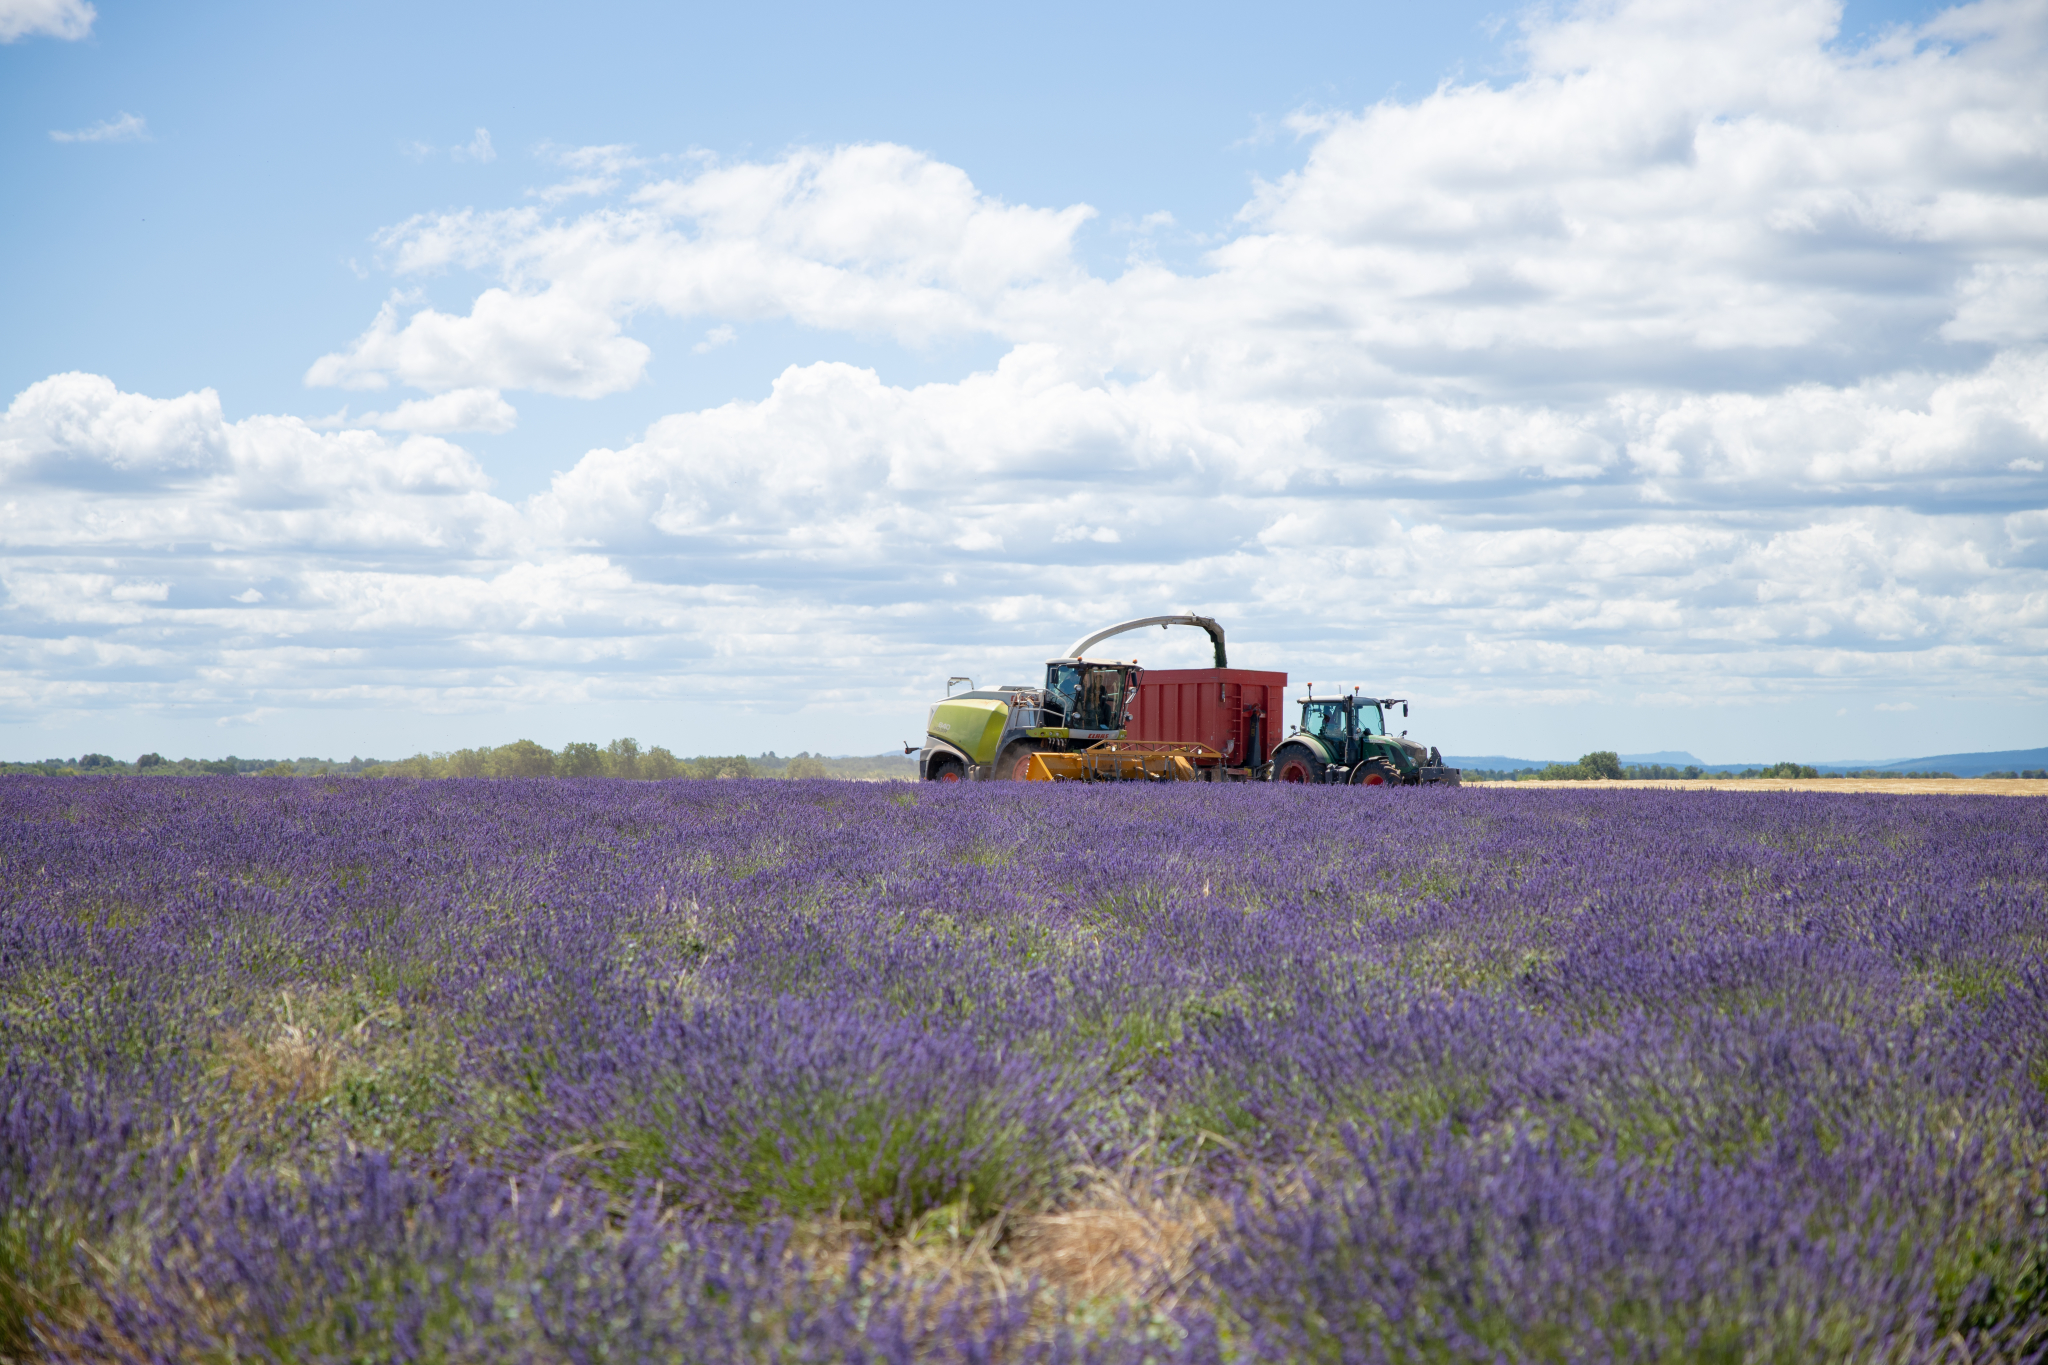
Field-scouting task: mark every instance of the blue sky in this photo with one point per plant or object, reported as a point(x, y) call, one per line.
point(218, 252)
point(1668, 378)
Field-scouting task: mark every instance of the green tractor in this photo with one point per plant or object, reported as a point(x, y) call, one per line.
point(1344, 740)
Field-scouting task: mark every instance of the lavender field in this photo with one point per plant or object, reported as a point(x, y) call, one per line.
point(305, 1070)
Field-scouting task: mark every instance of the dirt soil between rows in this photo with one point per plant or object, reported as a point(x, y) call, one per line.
point(1911, 786)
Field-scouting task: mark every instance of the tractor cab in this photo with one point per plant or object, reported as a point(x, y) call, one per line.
point(1340, 719)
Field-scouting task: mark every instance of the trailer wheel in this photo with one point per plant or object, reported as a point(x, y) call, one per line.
point(1375, 772)
point(945, 768)
point(1298, 766)
point(1015, 764)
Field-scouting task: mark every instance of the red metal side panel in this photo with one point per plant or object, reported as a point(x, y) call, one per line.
point(1228, 709)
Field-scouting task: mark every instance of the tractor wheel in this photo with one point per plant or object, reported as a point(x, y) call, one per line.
point(1015, 764)
point(1375, 772)
point(945, 768)
point(1297, 765)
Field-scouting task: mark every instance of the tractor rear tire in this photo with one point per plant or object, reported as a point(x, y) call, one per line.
point(1375, 772)
point(1297, 766)
point(945, 768)
point(1015, 763)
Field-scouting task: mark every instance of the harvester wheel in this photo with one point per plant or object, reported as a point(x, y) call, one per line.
point(1297, 766)
point(1375, 772)
point(945, 769)
point(1015, 764)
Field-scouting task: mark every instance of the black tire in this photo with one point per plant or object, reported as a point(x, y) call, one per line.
point(1297, 766)
point(1012, 762)
point(945, 768)
point(1375, 772)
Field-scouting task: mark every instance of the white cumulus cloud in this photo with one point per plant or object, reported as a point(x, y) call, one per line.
point(552, 342)
point(873, 238)
point(478, 148)
point(126, 128)
point(593, 170)
point(456, 410)
point(66, 19)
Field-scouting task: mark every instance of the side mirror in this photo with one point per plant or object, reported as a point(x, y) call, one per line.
point(1404, 711)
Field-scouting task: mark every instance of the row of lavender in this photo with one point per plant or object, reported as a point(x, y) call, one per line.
point(352, 1070)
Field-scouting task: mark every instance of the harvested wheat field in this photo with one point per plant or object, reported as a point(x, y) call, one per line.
point(1902, 786)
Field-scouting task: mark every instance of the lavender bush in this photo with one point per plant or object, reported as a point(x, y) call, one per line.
point(808, 1106)
point(323, 1069)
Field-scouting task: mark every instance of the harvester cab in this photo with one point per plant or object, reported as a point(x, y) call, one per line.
point(1092, 720)
point(1088, 696)
point(1344, 739)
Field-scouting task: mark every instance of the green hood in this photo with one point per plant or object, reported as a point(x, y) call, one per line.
point(974, 726)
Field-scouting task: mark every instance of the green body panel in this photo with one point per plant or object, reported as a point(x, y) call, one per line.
point(1393, 753)
point(974, 727)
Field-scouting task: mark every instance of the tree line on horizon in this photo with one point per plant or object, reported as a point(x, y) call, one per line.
point(622, 758)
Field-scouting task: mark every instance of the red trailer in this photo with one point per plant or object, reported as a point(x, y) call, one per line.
point(1235, 711)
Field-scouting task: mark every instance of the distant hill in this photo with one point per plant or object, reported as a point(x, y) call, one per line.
point(1967, 765)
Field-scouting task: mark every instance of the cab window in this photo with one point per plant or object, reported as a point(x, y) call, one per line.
point(1100, 704)
point(1323, 719)
point(1370, 721)
point(1064, 682)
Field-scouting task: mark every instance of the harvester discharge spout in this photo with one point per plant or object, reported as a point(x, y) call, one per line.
point(1214, 628)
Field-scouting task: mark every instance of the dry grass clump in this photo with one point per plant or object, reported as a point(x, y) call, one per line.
point(266, 1065)
point(1126, 1244)
point(1105, 1251)
point(1126, 1239)
point(304, 1050)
